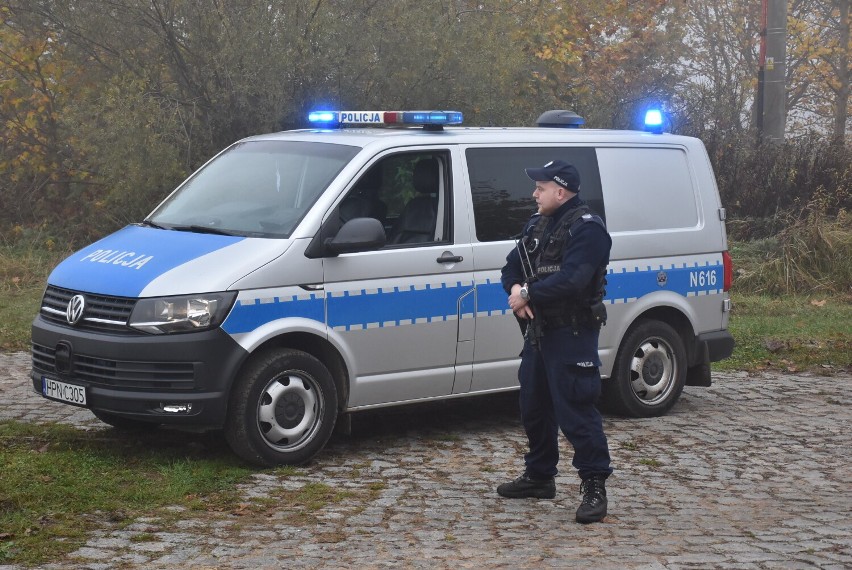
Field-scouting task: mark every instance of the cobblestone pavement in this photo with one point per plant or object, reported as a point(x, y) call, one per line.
point(751, 473)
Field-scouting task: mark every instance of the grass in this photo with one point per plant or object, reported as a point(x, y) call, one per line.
point(792, 310)
point(792, 333)
point(59, 483)
point(23, 273)
point(792, 296)
point(812, 254)
point(17, 310)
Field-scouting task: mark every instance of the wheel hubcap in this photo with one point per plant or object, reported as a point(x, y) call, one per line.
point(289, 411)
point(653, 370)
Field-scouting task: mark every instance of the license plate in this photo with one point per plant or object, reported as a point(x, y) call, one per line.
point(56, 390)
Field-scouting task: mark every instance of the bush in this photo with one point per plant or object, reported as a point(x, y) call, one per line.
point(812, 254)
point(771, 185)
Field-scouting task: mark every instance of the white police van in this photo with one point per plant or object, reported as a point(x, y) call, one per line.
point(303, 275)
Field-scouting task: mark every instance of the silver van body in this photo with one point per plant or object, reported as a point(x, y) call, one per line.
point(337, 315)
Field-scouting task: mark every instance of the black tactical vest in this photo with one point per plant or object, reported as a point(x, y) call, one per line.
point(546, 256)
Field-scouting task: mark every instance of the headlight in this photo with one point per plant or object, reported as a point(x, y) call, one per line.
point(187, 313)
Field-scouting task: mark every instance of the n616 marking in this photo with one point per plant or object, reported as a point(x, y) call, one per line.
point(703, 278)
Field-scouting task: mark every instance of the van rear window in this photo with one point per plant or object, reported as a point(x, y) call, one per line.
point(502, 192)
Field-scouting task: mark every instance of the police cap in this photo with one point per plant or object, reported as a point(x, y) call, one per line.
point(557, 171)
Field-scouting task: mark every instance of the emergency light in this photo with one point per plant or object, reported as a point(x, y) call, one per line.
point(654, 121)
point(426, 119)
point(322, 117)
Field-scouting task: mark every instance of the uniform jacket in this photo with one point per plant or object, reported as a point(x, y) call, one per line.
point(586, 249)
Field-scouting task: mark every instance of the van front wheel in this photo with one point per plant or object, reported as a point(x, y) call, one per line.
point(282, 410)
point(649, 372)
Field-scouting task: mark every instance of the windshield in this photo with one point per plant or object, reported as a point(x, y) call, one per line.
point(255, 188)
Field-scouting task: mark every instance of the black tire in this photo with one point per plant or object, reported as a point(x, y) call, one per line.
point(122, 423)
point(282, 410)
point(649, 372)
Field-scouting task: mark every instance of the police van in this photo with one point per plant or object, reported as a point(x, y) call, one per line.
point(301, 276)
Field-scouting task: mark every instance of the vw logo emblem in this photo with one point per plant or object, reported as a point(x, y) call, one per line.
point(75, 309)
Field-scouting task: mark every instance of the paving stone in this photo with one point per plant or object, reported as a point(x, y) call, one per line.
point(750, 473)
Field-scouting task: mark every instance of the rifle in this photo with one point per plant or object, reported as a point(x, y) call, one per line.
point(531, 329)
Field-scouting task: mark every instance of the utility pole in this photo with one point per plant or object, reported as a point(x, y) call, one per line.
point(771, 82)
point(842, 105)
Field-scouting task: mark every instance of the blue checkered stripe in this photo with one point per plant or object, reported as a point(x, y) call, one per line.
point(687, 279)
point(361, 309)
point(357, 309)
point(625, 284)
point(399, 306)
point(250, 313)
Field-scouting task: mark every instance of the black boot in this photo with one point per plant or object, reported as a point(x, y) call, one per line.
point(593, 507)
point(525, 486)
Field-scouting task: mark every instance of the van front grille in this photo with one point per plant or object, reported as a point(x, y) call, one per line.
point(155, 376)
point(102, 313)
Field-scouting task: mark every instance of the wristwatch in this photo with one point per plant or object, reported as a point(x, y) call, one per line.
point(525, 292)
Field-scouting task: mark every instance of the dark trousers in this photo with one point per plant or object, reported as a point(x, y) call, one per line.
point(557, 394)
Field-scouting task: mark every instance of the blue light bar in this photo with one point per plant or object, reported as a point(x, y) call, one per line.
point(423, 118)
point(654, 121)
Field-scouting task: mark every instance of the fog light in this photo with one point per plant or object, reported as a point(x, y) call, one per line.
point(177, 408)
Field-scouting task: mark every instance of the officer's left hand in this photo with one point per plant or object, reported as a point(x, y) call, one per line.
point(524, 313)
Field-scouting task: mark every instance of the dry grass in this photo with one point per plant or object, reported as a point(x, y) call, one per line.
point(810, 255)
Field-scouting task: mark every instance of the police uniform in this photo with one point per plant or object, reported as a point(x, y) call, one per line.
point(559, 377)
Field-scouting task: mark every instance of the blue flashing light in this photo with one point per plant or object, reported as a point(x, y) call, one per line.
point(323, 117)
point(654, 121)
point(432, 117)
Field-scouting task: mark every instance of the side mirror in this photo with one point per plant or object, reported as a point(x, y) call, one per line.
point(358, 234)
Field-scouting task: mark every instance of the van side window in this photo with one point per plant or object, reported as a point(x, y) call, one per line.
point(502, 192)
point(409, 193)
point(363, 200)
point(659, 188)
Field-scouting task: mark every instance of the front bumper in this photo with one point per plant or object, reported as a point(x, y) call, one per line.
point(142, 376)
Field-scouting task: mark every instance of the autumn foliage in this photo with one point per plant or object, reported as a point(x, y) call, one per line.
point(38, 159)
point(104, 107)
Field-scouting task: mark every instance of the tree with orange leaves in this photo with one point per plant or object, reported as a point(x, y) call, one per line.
point(606, 59)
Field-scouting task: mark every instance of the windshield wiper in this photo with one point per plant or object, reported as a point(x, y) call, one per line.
point(204, 230)
point(151, 224)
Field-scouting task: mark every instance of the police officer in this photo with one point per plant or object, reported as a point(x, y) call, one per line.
point(558, 295)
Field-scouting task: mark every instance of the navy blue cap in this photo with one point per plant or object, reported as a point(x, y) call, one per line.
point(557, 171)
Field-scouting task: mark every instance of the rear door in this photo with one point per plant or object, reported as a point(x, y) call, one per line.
point(502, 204)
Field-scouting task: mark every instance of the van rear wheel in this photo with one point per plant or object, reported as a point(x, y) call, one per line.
point(649, 372)
point(282, 410)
